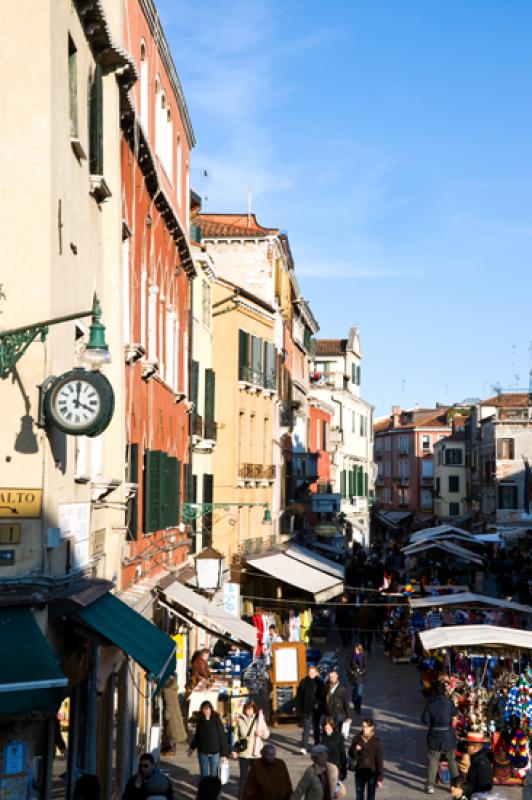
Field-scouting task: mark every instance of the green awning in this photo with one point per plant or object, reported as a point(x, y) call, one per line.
point(150, 647)
point(30, 678)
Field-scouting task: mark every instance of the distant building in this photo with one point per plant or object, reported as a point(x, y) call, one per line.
point(335, 380)
point(450, 474)
point(498, 451)
point(404, 456)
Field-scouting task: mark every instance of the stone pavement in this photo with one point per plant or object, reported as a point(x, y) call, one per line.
point(393, 699)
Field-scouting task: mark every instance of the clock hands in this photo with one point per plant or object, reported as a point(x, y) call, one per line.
point(87, 408)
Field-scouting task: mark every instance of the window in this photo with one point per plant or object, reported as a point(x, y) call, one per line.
point(73, 87)
point(506, 449)
point(206, 303)
point(454, 483)
point(152, 323)
point(269, 366)
point(426, 499)
point(508, 496)
point(95, 115)
point(169, 341)
point(454, 509)
point(353, 422)
point(162, 488)
point(318, 430)
point(323, 435)
point(403, 469)
point(437, 486)
point(210, 394)
point(256, 360)
point(387, 469)
point(144, 90)
point(363, 425)
point(427, 468)
point(179, 188)
point(453, 455)
point(143, 295)
point(403, 496)
point(425, 443)
point(164, 139)
point(403, 445)
point(126, 318)
point(387, 443)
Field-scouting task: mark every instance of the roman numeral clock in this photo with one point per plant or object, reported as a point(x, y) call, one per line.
point(79, 402)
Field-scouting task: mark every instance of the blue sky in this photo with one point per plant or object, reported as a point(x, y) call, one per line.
point(392, 140)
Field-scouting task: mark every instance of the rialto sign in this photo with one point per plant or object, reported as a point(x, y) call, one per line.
point(18, 503)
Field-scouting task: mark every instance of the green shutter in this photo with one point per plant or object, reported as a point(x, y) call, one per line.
point(243, 355)
point(269, 365)
point(152, 471)
point(360, 482)
point(164, 491)
point(207, 518)
point(209, 395)
point(96, 123)
point(353, 373)
point(366, 483)
point(175, 492)
point(194, 394)
point(133, 502)
point(351, 483)
point(342, 483)
point(358, 375)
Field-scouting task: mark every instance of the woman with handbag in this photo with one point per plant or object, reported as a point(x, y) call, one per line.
point(365, 759)
point(356, 669)
point(250, 734)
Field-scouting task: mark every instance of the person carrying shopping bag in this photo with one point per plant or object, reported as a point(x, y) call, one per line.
point(209, 740)
point(250, 734)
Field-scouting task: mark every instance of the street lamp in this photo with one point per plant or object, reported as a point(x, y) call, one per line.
point(96, 352)
point(209, 568)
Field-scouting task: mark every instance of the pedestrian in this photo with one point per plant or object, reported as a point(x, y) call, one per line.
point(356, 669)
point(251, 732)
point(148, 782)
point(366, 621)
point(87, 788)
point(309, 699)
point(480, 773)
point(366, 756)
point(209, 740)
point(319, 781)
point(439, 714)
point(344, 620)
point(334, 742)
point(209, 788)
point(268, 778)
point(335, 699)
point(271, 638)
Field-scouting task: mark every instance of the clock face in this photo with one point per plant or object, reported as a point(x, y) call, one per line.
point(77, 404)
point(80, 403)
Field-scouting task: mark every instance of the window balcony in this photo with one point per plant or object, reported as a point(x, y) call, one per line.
point(427, 480)
point(258, 378)
point(303, 466)
point(269, 472)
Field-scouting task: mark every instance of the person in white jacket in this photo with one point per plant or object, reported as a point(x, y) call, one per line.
point(250, 730)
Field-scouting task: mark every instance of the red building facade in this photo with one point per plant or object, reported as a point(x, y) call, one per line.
point(319, 433)
point(157, 271)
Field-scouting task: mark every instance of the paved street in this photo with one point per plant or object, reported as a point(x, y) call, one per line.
point(394, 700)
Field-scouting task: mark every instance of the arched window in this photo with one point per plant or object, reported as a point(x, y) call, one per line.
point(95, 117)
point(144, 89)
point(163, 132)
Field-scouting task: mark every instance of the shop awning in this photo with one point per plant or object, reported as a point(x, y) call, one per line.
point(463, 635)
point(215, 619)
point(288, 570)
point(446, 547)
point(445, 532)
point(315, 560)
point(467, 598)
point(393, 519)
point(150, 647)
point(30, 678)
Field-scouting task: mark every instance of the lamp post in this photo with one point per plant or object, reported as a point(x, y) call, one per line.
point(15, 341)
point(209, 568)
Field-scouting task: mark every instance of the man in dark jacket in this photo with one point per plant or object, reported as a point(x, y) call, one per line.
point(480, 773)
point(148, 782)
point(309, 699)
point(335, 699)
point(441, 738)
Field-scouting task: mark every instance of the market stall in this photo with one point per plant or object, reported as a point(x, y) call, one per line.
point(487, 669)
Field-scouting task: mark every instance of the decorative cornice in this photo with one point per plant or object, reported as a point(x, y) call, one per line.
point(152, 17)
point(109, 55)
point(140, 147)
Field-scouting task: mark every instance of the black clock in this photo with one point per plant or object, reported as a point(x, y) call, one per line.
point(80, 403)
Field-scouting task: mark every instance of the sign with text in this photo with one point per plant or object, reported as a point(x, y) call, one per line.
point(232, 599)
point(18, 503)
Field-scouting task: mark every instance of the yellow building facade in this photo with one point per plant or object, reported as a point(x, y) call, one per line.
point(246, 394)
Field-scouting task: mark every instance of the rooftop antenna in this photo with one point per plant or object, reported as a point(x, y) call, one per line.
point(250, 197)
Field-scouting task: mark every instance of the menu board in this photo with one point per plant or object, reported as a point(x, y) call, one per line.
point(286, 670)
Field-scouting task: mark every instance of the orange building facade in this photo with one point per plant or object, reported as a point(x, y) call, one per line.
point(157, 273)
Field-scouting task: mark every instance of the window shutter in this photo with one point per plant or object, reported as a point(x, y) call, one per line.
point(269, 365)
point(152, 471)
point(243, 355)
point(96, 123)
point(366, 485)
point(257, 357)
point(360, 482)
point(175, 491)
point(194, 394)
point(164, 491)
point(207, 498)
point(133, 502)
point(342, 483)
point(210, 381)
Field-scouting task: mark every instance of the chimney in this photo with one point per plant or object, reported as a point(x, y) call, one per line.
point(396, 413)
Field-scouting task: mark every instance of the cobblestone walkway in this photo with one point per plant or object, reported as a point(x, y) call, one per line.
point(393, 699)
